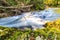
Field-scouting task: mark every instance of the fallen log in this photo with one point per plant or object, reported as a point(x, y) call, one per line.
point(14, 10)
point(12, 7)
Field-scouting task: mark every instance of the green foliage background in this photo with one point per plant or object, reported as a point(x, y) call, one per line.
point(38, 4)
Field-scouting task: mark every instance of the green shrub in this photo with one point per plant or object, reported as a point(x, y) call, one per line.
point(38, 4)
point(12, 2)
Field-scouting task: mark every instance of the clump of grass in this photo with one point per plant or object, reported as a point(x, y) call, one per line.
point(57, 11)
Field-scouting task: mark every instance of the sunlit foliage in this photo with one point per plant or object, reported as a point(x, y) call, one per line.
point(55, 23)
point(48, 1)
point(57, 10)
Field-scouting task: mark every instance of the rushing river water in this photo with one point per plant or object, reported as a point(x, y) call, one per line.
point(34, 19)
